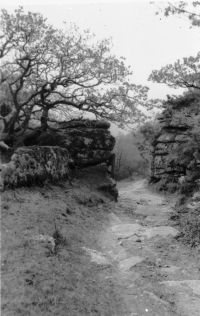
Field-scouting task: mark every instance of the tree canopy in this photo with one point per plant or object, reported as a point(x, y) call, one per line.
point(183, 73)
point(189, 9)
point(45, 69)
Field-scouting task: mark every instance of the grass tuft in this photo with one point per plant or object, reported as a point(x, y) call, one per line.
point(60, 241)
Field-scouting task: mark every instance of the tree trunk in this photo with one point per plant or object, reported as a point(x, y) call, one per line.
point(7, 127)
point(44, 119)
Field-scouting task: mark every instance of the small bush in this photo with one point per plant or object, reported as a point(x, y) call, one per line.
point(187, 188)
point(128, 157)
point(165, 184)
point(60, 241)
point(172, 187)
point(190, 228)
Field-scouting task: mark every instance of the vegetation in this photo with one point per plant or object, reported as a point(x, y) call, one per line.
point(133, 151)
point(191, 229)
point(48, 271)
point(189, 223)
point(128, 159)
point(59, 240)
point(45, 70)
point(145, 136)
point(183, 73)
point(190, 9)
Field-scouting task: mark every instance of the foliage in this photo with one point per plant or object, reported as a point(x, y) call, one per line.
point(190, 9)
point(145, 136)
point(128, 159)
point(59, 240)
point(45, 69)
point(190, 227)
point(133, 151)
point(183, 73)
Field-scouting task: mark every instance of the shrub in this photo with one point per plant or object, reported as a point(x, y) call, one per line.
point(59, 240)
point(190, 228)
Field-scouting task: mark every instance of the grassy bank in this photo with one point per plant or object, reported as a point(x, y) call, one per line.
point(188, 219)
point(45, 269)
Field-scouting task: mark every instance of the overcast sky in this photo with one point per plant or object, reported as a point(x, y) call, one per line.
point(147, 41)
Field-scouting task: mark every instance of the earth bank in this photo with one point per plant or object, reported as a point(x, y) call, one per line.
point(45, 267)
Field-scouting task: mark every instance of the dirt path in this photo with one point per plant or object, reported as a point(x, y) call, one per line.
point(155, 274)
point(69, 250)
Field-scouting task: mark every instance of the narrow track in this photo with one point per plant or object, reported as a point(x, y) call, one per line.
point(155, 274)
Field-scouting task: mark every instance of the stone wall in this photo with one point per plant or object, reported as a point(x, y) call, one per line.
point(175, 159)
point(34, 165)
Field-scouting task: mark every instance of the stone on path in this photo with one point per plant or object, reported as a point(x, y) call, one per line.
point(193, 285)
point(187, 293)
point(170, 269)
point(126, 230)
point(127, 264)
point(162, 231)
point(97, 257)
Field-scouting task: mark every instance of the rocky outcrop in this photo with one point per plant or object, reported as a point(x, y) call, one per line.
point(176, 154)
point(89, 142)
point(48, 155)
point(34, 165)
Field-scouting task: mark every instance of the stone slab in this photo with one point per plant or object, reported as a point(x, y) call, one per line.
point(127, 264)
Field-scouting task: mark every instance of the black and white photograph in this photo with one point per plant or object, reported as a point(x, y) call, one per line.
point(100, 157)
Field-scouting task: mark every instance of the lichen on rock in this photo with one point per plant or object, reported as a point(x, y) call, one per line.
point(35, 164)
point(48, 155)
point(89, 142)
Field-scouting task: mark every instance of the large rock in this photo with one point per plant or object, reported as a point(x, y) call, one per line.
point(89, 142)
point(169, 166)
point(33, 165)
point(42, 155)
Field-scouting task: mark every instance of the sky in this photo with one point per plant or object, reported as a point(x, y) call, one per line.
point(147, 41)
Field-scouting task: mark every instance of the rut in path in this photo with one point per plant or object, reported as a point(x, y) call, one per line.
point(155, 274)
